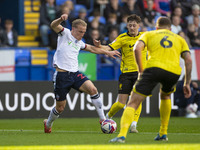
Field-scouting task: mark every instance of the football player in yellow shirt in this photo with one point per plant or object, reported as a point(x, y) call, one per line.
point(128, 66)
point(164, 50)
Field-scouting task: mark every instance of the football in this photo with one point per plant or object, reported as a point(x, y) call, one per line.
point(192, 108)
point(108, 126)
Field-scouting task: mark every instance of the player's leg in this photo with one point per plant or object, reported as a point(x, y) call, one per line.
point(168, 82)
point(133, 128)
point(122, 98)
point(141, 89)
point(129, 113)
point(125, 85)
point(89, 88)
point(120, 105)
point(54, 114)
point(61, 88)
point(128, 117)
point(165, 111)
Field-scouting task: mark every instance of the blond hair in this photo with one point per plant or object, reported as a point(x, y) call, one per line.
point(77, 22)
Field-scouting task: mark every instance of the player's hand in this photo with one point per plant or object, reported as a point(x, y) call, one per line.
point(113, 54)
point(97, 43)
point(64, 17)
point(187, 90)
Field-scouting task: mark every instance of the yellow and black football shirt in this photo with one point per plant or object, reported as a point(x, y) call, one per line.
point(125, 42)
point(164, 49)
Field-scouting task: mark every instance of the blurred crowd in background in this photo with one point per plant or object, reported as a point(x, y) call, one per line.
point(107, 19)
point(8, 36)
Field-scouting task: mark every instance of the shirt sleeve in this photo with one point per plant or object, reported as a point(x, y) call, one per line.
point(61, 32)
point(83, 45)
point(143, 38)
point(185, 46)
point(116, 44)
point(64, 31)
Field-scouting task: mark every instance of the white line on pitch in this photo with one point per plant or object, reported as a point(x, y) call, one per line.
point(60, 131)
point(22, 130)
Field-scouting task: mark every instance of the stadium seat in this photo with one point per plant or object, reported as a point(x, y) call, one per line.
point(77, 7)
point(22, 57)
point(39, 57)
point(39, 62)
point(60, 2)
point(31, 21)
point(121, 3)
point(101, 20)
point(164, 6)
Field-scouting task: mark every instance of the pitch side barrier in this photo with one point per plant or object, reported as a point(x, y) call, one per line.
point(36, 99)
point(35, 64)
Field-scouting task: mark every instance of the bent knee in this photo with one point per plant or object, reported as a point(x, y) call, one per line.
point(93, 90)
point(164, 96)
point(60, 109)
point(122, 101)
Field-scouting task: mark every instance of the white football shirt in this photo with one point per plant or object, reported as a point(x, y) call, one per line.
point(66, 55)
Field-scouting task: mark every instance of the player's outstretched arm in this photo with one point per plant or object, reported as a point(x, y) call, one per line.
point(102, 50)
point(138, 47)
point(188, 69)
point(55, 25)
point(97, 43)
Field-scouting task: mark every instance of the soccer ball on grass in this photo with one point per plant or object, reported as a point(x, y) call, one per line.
point(192, 108)
point(108, 126)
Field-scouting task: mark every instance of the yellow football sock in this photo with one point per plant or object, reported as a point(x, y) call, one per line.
point(127, 118)
point(115, 108)
point(165, 111)
point(137, 113)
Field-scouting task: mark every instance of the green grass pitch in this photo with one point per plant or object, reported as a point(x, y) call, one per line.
point(86, 131)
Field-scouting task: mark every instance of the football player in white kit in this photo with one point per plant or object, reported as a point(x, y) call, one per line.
point(67, 75)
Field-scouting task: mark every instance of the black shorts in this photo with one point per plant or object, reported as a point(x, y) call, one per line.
point(151, 77)
point(64, 81)
point(126, 82)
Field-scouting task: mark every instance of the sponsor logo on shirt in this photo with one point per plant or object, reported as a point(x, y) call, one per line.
point(73, 45)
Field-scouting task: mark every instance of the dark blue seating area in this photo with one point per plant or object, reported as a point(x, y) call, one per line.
point(22, 57)
point(77, 7)
point(107, 71)
point(27, 70)
point(30, 68)
point(60, 2)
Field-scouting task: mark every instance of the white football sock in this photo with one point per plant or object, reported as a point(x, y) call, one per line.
point(52, 116)
point(97, 102)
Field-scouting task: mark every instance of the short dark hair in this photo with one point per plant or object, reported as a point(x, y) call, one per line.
point(163, 22)
point(113, 29)
point(178, 7)
point(135, 18)
point(8, 21)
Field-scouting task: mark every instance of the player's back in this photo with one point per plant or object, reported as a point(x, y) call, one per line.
point(164, 49)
